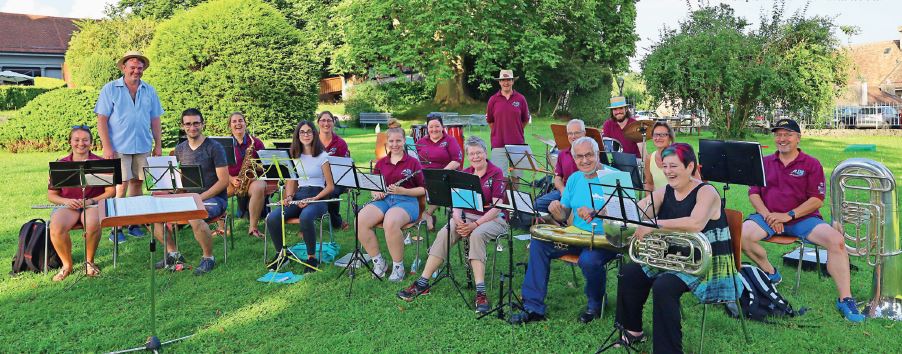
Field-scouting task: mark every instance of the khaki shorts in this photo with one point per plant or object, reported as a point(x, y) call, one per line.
point(133, 165)
point(499, 158)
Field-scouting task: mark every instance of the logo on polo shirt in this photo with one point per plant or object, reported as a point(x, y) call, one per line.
point(516, 104)
point(443, 144)
point(407, 172)
point(332, 151)
point(797, 173)
point(821, 188)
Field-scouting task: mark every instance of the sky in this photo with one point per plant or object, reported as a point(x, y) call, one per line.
point(877, 20)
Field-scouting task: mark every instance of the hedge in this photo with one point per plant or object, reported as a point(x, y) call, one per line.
point(44, 123)
point(234, 55)
point(97, 45)
point(15, 97)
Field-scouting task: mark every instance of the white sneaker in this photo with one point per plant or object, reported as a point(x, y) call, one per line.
point(397, 273)
point(380, 268)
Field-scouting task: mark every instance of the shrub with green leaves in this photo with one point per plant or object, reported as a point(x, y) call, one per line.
point(395, 96)
point(15, 97)
point(592, 106)
point(44, 124)
point(97, 45)
point(233, 55)
point(48, 82)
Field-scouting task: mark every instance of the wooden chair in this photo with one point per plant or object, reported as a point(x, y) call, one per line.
point(560, 136)
point(734, 220)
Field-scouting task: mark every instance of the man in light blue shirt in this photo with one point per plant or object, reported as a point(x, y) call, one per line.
point(128, 122)
point(578, 199)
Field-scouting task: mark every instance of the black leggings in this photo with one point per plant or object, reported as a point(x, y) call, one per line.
point(633, 287)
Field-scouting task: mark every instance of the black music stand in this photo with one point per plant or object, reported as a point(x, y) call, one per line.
point(737, 162)
point(627, 162)
point(82, 174)
point(228, 144)
point(517, 202)
point(355, 181)
point(452, 189)
point(282, 145)
point(172, 178)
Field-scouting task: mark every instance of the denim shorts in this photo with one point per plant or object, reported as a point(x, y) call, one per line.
point(214, 211)
point(406, 202)
point(800, 229)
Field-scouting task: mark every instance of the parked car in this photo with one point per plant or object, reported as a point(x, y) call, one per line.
point(877, 117)
point(844, 117)
point(646, 115)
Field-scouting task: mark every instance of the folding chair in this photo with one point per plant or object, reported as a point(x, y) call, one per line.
point(734, 219)
point(788, 240)
point(225, 237)
point(422, 232)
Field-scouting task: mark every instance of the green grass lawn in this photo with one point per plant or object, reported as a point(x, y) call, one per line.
point(230, 312)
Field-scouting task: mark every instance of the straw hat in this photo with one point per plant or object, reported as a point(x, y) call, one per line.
point(134, 54)
point(506, 74)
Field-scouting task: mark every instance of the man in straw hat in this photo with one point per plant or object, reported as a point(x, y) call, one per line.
point(128, 122)
point(613, 127)
point(507, 114)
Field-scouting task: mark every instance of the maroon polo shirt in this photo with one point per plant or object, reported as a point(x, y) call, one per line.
point(392, 173)
point(240, 149)
point(492, 186)
point(338, 147)
point(565, 165)
point(612, 130)
point(791, 185)
point(508, 117)
point(439, 153)
point(74, 192)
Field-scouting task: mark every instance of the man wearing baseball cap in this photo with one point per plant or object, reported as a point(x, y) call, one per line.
point(128, 122)
point(789, 206)
point(613, 127)
point(507, 114)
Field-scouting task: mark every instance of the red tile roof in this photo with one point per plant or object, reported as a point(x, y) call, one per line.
point(35, 33)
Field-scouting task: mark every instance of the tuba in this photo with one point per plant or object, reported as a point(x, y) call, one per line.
point(864, 210)
point(687, 252)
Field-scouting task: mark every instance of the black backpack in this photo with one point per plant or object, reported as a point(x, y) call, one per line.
point(760, 299)
point(30, 253)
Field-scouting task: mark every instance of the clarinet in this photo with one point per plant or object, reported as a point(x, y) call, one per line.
point(402, 180)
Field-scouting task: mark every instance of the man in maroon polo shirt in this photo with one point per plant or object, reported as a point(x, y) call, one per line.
point(507, 115)
point(564, 167)
point(789, 206)
point(613, 127)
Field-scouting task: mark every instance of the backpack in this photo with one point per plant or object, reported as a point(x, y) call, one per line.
point(760, 299)
point(30, 253)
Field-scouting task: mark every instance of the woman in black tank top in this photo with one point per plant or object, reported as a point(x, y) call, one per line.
point(685, 205)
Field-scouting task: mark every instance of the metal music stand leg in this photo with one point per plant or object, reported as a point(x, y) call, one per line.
point(356, 255)
point(285, 252)
point(446, 271)
point(506, 298)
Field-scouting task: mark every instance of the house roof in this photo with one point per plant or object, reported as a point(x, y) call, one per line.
point(878, 96)
point(35, 33)
point(877, 62)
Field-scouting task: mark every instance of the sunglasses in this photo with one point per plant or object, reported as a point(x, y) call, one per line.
point(82, 126)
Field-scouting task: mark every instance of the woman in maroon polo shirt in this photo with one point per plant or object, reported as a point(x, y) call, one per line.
point(64, 219)
point(335, 146)
point(438, 150)
point(394, 209)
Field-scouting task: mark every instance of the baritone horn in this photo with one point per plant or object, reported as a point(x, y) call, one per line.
point(864, 210)
point(687, 252)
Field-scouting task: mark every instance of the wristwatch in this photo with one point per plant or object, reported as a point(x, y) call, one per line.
point(792, 214)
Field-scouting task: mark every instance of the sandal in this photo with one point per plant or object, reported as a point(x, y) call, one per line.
point(92, 270)
point(255, 233)
point(62, 274)
point(345, 226)
point(627, 339)
point(218, 232)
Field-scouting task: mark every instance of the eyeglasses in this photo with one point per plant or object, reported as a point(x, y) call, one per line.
point(584, 156)
point(305, 132)
point(660, 135)
point(192, 124)
point(581, 132)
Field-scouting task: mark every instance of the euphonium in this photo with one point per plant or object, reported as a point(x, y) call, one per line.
point(863, 206)
point(687, 252)
point(248, 172)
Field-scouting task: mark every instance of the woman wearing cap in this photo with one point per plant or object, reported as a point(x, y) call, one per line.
point(437, 150)
point(74, 212)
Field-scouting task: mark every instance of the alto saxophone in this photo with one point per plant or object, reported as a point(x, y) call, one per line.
point(248, 172)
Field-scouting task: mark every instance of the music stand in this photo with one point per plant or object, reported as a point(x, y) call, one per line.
point(82, 174)
point(738, 162)
point(228, 144)
point(627, 162)
point(452, 189)
point(165, 174)
point(346, 174)
point(517, 202)
point(281, 145)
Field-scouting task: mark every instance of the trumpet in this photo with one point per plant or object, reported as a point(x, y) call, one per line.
point(304, 201)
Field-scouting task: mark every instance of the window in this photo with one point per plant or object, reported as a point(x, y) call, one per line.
point(33, 72)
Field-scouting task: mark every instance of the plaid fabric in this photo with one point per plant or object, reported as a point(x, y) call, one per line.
point(721, 281)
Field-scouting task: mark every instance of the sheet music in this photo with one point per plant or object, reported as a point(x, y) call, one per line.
point(522, 200)
point(372, 182)
point(148, 205)
point(341, 171)
point(99, 179)
point(466, 199)
point(613, 209)
point(411, 147)
point(522, 157)
point(159, 173)
point(267, 156)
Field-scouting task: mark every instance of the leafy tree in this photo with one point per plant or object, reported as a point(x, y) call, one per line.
point(234, 55)
point(97, 45)
point(152, 9)
point(715, 62)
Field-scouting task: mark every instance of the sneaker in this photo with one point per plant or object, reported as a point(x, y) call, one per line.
point(170, 261)
point(482, 303)
point(775, 278)
point(412, 292)
point(311, 261)
point(380, 271)
point(397, 273)
point(276, 263)
point(849, 310)
point(526, 317)
point(117, 237)
point(589, 315)
point(136, 231)
point(205, 266)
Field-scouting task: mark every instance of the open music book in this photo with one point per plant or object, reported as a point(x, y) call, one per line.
point(148, 205)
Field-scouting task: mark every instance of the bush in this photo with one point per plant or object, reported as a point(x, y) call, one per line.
point(394, 96)
point(234, 55)
point(15, 97)
point(48, 83)
point(592, 106)
point(97, 45)
point(44, 124)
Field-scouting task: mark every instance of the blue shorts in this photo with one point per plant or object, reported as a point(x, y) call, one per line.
point(214, 211)
point(406, 202)
point(800, 229)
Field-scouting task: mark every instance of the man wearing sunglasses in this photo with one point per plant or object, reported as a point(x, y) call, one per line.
point(128, 123)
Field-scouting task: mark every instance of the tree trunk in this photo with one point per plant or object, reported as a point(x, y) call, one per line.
point(451, 92)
